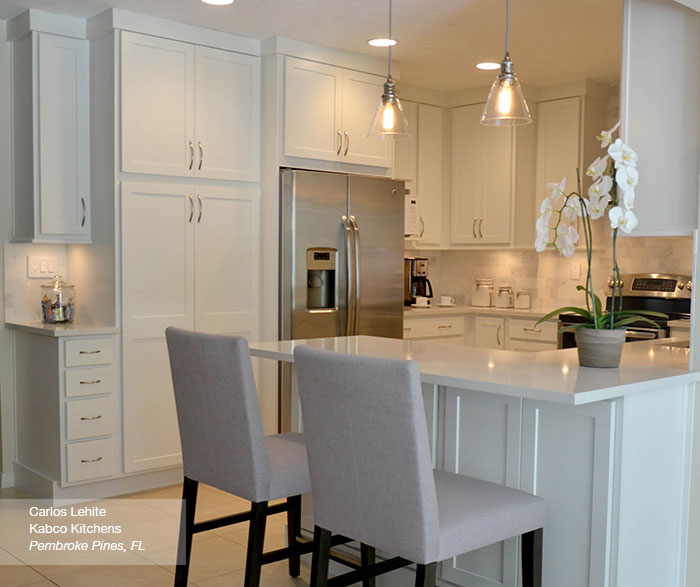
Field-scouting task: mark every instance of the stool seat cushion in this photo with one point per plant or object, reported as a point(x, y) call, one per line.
point(474, 513)
point(289, 467)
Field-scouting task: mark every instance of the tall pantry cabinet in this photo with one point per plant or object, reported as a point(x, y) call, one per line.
point(186, 146)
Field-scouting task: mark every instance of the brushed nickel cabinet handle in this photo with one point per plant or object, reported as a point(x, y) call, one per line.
point(481, 222)
point(92, 417)
point(98, 351)
point(407, 329)
point(97, 460)
point(191, 155)
point(199, 199)
point(93, 382)
point(498, 332)
point(450, 326)
point(201, 155)
point(347, 143)
point(340, 142)
point(538, 330)
point(422, 227)
point(191, 208)
point(82, 201)
point(474, 226)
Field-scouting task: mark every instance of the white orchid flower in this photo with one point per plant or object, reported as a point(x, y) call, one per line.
point(541, 243)
point(572, 209)
point(546, 205)
point(553, 190)
point(597, 206)
point(543, 221)
point(622, 154)
point(624, 219)
point(605, 136)
point(601, 187)
point(627, 177)
point(629, 199)
point(596, 169)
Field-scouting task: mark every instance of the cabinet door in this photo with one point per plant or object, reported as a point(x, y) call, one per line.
point(406, 151)
point(489, 332)
point(157, 107)
point(361, 95)
point(430, 186)
point(482, 440)
point(63, 141)
point(157, 292)
point(226, 261)
point(567, 461)
point(312, 110)
point(497, 166)
point(227, 115)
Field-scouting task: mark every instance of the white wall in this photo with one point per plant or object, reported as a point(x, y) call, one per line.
point(7, 432)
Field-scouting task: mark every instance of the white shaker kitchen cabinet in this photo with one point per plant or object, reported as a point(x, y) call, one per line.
point(558, 144)
point(188, 111)
point(489, 332)
point(50, 106)
point(157, 105)
point(482, 179)
point(327, 113)
point(567, 461)
point(429, 175)
point(406, 151)
point(482, 440)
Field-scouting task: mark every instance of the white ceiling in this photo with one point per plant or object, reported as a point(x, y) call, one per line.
point(440, 41)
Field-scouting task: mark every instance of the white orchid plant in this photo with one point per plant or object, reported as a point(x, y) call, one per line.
point(615, 177)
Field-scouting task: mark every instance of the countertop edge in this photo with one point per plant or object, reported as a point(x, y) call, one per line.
point(61, 330)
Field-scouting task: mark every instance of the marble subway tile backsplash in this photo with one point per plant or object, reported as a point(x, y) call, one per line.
point(550, 278)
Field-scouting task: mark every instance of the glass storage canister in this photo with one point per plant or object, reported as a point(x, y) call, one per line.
point(57, 301)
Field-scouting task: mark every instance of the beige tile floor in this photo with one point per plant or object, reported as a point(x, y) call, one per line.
point(218, 556)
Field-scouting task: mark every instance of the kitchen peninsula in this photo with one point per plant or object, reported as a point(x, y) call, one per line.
point(607, 449)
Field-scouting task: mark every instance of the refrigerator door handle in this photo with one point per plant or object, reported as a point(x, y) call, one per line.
point(356, 230)
point(350, 306)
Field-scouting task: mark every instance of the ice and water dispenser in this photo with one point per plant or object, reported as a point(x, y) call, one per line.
point(321, 265)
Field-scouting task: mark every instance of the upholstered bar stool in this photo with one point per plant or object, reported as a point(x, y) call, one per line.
point(372, 479)
point(223, 445)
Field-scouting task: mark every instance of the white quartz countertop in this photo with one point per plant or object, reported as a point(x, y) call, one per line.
point(435, 310)
point(58, 330)
point(549, 376)
point(679, 324)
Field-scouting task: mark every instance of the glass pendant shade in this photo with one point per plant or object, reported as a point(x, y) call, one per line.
point(390, 119)
point(506, 105)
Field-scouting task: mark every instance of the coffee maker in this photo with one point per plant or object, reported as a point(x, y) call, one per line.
point(415, 280)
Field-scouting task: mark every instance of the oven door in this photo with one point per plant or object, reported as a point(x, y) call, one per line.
point(567, 339)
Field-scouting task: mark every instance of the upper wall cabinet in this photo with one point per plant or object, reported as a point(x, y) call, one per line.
point(51, 139)
point(482, 179)
point(200, 115)
point(328, 111)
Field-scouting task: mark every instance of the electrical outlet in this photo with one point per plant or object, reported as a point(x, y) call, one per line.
point(41, 266)
point(575, 272)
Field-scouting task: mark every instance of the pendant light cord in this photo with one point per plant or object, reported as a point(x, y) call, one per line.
point(390, 38)
point(507, 23)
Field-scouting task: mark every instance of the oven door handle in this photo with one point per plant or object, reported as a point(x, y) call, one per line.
point(642, 334)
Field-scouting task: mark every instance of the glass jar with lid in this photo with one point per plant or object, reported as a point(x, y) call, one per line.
point(482, 294)
point(57, 301)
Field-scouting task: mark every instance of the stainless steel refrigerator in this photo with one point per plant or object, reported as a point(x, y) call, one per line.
point(341, 259)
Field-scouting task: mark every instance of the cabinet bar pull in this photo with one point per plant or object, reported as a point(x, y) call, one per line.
point(407, 329)
point(82, 201)
point(97, 460)
point(538, 330)
point(191, 207)
point(93, 382)
point(92, 417)
point(481, 222)
point(347, 143)
point(199, 199)
point(498, 332)
point(450, 326)
point(340, 142)
point(422, 227)
point(89, 352)
point(201, 155)
point(191, 155)
point(474, 226)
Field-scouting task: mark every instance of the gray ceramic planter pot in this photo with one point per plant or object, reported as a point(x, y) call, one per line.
point(599, 348)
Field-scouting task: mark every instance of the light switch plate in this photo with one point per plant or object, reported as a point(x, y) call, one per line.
point(41, 266)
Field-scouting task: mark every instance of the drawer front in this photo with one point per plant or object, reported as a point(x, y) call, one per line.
point(524, 329)
point(433, 327)
point(90, 460)
point(530, 347)
point(89, 351)
point(89, 417)
point(94, 381)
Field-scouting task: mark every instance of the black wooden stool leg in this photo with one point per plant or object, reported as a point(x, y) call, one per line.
point(293, 531)
point(368, 557)
point(256, 541)
point(532, 558)
point(184, 544)
point(426, 575)
point(321, 557)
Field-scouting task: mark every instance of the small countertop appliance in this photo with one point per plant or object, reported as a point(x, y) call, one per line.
point(415, 280)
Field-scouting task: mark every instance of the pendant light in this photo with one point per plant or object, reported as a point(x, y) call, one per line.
point(506, 105)
point(390, 120)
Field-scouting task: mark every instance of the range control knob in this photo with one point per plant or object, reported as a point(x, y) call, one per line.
point(689, 286)
point(611, 282)
point(681, 285)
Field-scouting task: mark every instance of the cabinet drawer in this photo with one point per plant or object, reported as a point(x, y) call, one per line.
point(524, 329)
point(89, 351)
point(89, 417)
point(90, 460)
point(433, 327)
point(530, 346)
point(94, 381)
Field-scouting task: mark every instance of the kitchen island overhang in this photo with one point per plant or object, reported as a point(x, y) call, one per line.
point(609, 450)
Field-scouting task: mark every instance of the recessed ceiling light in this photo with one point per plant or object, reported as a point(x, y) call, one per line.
point(382, 42)
point(488, 65)
point(218, 2)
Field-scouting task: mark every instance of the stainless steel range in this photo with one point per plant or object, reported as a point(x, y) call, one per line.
point(657, 292)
